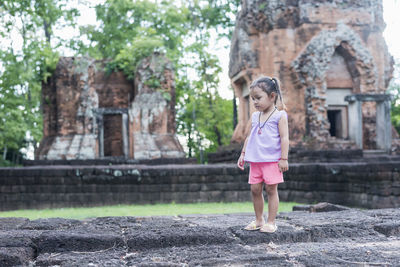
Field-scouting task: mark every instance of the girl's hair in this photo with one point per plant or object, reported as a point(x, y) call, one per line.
point(269, 85)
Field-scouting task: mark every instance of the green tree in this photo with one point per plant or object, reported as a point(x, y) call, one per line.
point(131, 30)
point(205, 118)
point(25, 64)
point(394, 89)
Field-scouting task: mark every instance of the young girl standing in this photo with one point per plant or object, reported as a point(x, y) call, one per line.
point(266, 148)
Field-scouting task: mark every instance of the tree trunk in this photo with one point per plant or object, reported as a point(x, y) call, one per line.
point(13, 157)
point(5, 152)
point(190, 142)
point(219, 139)
point(47, 31)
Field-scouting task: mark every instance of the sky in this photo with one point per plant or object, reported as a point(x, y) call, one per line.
point(391, 9)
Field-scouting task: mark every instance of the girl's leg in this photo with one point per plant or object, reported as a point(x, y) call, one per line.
point(273, 202)
point(258, 202)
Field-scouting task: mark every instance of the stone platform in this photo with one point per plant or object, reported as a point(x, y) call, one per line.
point(366, 184)
point(339, 238)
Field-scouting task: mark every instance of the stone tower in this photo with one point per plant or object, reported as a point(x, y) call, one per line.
point(88, 114)
point(333, 64)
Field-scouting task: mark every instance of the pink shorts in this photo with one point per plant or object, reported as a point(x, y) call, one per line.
point(267, 172)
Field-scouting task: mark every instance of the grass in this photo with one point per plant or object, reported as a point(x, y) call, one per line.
point(171, 209)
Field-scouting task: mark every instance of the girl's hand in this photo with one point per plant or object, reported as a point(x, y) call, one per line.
point(240, 162)
point(283, 165)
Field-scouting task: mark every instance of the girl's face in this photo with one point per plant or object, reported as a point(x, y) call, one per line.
point(262, 101)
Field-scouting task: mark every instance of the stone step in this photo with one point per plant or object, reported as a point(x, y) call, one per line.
point(210, 239)
point(374, 152)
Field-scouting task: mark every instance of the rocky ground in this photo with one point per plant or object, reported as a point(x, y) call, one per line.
point(348, 237)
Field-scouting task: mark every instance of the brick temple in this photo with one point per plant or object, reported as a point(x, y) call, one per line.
point(333, 64)
point(89, 114)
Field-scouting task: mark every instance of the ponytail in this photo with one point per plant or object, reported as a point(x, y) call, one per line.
point(278, 89)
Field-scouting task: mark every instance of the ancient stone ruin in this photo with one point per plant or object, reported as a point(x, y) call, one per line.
point(333, 64)
point(89, 114)
point(349, 237)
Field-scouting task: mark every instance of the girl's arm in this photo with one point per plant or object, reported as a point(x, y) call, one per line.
point(240, 162)
point(284, 133)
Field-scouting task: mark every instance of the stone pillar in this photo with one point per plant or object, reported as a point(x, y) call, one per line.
point(152, 112)
point(101, 135)
point(383, 126)
point(355, 121)
point(125, 139)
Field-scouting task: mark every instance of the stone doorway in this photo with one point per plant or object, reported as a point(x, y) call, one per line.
point(113, 132)
point(337, 112)
point(336, 118)
point(113, 146)
point(339, 84)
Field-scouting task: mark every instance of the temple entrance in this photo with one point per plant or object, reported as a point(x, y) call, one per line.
point(335, 120)
point(112, 124)
point(339, 85)
point(338, 120)
point(113, 132)
point(337, 112)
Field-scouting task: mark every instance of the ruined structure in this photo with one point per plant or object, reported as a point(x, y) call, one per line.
point(333, 64)
point(89, 114)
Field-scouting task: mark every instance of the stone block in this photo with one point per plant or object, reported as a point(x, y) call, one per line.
point(12, 223)
point(60, 241)
point(16, 256)
point(193, 187)
point(326, 207)
point(388, 229)
point(6, 189)
point(177, 237)
point(175, 187)
point(9, 181)
point(187, 197)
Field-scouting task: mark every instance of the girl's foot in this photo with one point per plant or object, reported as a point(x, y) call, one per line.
point(269, 228)
point(254, 226)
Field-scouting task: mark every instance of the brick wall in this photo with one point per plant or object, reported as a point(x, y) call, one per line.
point(355, 184)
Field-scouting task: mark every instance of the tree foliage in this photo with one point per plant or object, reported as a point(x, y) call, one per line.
point(26, 59)
point(394, 89)
point(131, 30)
point(205, 118)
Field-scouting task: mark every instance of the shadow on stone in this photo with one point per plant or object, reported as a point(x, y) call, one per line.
point(320, 207)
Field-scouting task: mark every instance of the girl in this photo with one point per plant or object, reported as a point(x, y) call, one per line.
point(266, 148)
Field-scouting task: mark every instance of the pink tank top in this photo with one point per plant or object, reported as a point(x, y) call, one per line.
point(266, 146)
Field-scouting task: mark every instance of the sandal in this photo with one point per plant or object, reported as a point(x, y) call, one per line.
point(253, 226)
point(269, 228)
